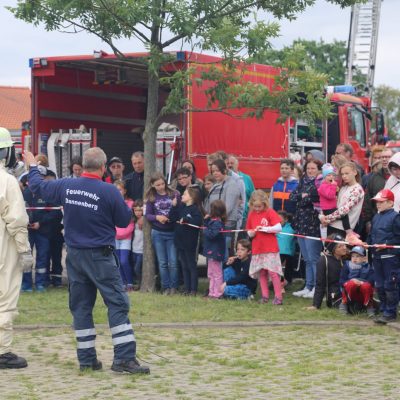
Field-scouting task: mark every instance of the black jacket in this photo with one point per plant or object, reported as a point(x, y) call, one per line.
point(327, 287)
point(49, 220)
point(186, 237)
point(134, 183)
point(305, 219)
point(376, 183)
point(242, 275)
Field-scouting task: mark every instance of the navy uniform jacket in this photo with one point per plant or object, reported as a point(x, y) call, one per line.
point(92, 208)
point(385, 230)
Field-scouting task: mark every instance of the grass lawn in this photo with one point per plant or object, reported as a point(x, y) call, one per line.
point(52, 308)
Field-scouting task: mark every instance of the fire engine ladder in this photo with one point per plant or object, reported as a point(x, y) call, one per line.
point(363, 40)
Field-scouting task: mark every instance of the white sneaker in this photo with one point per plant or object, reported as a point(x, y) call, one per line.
point(301, 293)
point(309, 295)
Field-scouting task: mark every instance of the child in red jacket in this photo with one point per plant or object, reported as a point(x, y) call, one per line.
point(263, 223)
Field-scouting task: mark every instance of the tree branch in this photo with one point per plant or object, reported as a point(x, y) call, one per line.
point(215, 16)
point(137, 33)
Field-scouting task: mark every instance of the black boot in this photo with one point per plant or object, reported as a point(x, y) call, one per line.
point(12, 361)
point(384, 319)
point(95, 366)
point(131, 366)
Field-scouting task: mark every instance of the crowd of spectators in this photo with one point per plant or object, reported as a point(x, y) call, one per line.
point(335, 200)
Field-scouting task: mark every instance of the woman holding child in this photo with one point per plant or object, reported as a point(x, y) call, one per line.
point(306, 222)
point(349, 202)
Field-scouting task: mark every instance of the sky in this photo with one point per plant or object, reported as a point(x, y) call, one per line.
point(21, 41)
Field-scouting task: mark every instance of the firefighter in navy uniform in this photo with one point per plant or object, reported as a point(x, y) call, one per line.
point(15, 251)
point(92, 210)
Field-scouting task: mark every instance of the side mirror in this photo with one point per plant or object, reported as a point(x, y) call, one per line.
point(380, 124)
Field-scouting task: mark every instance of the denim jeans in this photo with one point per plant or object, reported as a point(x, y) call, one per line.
point(311, 252)
point(238, 291)
point(137, 266)
point(165, 249)
point(125, 270)
point(56, 247)
point(42, 264)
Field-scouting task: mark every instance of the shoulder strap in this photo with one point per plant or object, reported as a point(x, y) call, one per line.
point(326, 276)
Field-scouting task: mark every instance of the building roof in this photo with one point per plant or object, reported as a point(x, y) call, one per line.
point(15, 106)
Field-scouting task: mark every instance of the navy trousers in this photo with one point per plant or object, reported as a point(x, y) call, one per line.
point(90, 270)
point(387, 274)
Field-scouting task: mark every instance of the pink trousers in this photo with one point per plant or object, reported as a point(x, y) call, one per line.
point(276, 282)
point(215, 275)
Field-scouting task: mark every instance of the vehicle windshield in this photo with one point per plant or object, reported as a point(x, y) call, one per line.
point(356, 126)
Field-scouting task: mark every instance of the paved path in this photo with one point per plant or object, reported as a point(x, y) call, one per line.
point(340, 360)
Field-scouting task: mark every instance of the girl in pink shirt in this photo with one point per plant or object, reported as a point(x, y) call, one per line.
point(123, 240)
point(328, 189)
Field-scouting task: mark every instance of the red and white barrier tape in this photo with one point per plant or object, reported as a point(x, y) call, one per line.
point(382, 246)
point(43, 208)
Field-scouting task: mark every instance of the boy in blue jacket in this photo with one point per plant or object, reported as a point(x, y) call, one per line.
point(386, 230)
point(357, 282)
point(237, 282)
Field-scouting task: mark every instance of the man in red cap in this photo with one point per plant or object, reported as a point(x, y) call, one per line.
point(386, 262)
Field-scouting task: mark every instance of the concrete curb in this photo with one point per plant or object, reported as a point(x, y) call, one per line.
point(216, 325)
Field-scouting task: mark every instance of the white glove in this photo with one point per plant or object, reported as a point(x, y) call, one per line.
point(26, 261)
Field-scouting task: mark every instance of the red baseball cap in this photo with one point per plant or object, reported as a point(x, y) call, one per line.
point(384, 195)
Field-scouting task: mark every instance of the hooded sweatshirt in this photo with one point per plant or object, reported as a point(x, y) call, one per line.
point(393, 183)
point(229, 192)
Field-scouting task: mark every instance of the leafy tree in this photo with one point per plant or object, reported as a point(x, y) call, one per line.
point(326, 58)
point(388, 99)
point(227, 27)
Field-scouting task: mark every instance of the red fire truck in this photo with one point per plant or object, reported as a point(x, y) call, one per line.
point(81, 101)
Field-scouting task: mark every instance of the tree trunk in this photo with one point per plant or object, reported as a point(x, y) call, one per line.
point(149, 138)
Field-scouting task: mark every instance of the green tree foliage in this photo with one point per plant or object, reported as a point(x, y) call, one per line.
point(388, 99)
point(326, 58)
point(227, 27)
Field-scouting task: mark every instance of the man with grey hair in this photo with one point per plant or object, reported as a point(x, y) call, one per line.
point(92, 210)
point(346, 150)
point(134, 182)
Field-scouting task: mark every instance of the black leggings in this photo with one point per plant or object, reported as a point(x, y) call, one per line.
point(187, 258)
